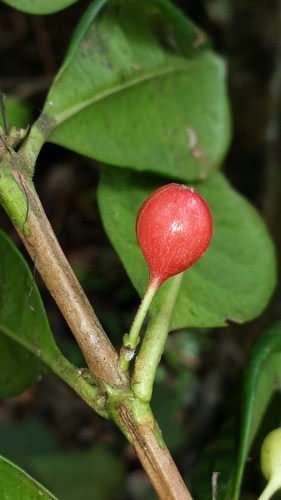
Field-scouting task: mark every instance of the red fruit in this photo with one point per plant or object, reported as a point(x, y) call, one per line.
point(174, 229)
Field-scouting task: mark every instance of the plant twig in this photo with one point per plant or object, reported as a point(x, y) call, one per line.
point(131, 415)
point(38, 135)
point(4, 114)
point(155, 457)
point(40, 241)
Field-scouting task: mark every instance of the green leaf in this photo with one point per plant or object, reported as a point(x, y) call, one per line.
point(140, 87)
point(81, 474)
point(26, 342)
point(234, 279)
point(39, 6)
point(19, 368)
point(27, 347)
point(16, 484)
point(262, 378)
point(18, 113)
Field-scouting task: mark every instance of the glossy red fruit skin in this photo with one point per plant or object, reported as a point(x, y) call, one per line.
point(174, 229)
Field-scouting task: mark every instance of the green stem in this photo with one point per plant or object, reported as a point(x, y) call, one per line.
point(272, 486)
point(82, 382)
point(131, 339)
point(12, 198)
point(153, 344)
point(38, 135)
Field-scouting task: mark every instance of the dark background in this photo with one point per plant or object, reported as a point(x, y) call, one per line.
point(247, 35)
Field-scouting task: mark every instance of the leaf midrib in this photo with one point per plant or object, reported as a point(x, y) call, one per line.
point(184, 66)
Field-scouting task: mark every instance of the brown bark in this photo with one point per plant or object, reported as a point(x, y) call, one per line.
point(155, 459)
point(63, 285)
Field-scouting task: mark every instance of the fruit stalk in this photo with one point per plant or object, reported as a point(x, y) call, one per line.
point(131, 339)
point(153, 344)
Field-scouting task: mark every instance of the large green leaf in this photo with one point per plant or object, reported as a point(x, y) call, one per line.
point(39, 6)
point(262, 378)
point(25, 336)
point(16, 484)
point(140, 87)
point(233, 280)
